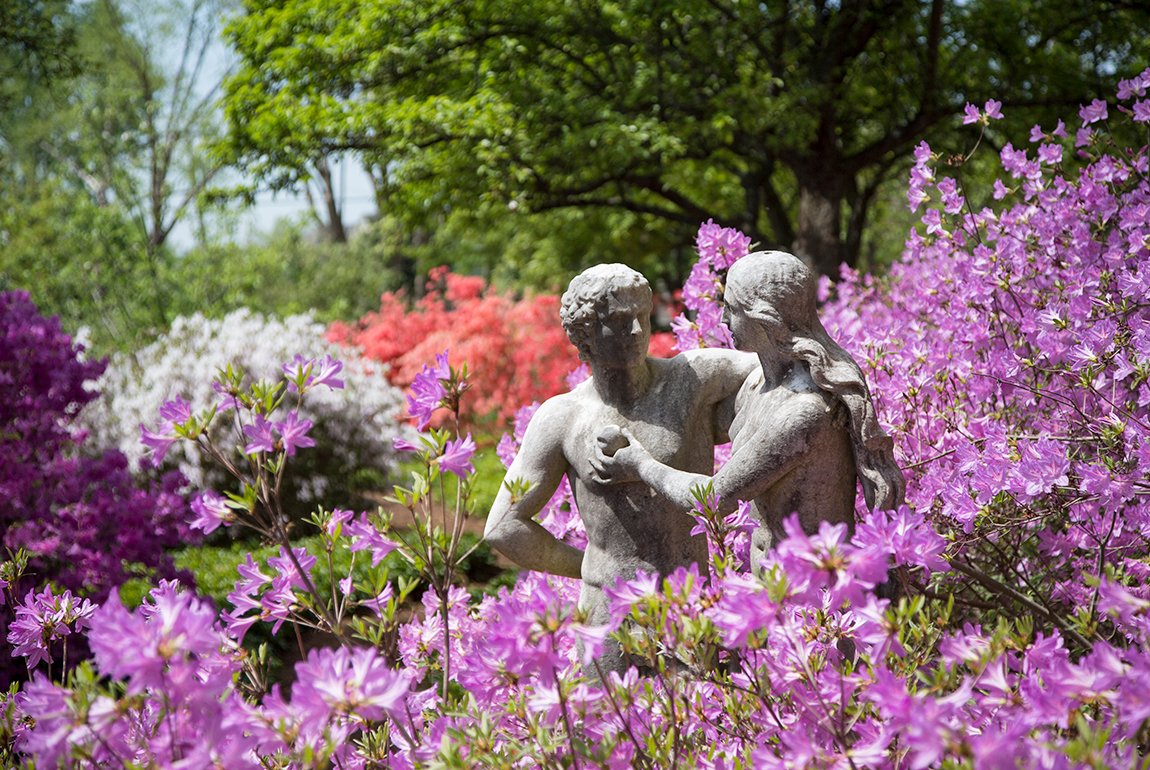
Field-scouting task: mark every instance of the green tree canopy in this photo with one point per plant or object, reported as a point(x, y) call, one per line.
point(99, 162)
point(783, 118)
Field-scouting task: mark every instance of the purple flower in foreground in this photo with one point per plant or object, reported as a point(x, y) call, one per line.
point(339, 517)
point(1142, 111)
point(379, 603)
point(211, 512)
point(403, 445)
point(168, 636)
point(456, 457)
point(47, 738)
point(227, 401)
point(158, 443)
point(970, 114)
point(993, 109)
point(293, 430)
point(160, 440)
point(625, 594)
point(366, 537)
point(1093, 112)
point(176, 411)
point(340, 683)
point(260, 433)
point(43, 618)
point(699, 513)
point(313, 372)
point(427, 391)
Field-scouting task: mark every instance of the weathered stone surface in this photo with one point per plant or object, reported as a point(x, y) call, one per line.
point(676, 408)
point(804, 431)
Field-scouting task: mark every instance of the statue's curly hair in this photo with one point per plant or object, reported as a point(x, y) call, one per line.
point(579, 307)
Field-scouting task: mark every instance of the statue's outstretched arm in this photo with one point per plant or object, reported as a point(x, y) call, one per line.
point(530, 482)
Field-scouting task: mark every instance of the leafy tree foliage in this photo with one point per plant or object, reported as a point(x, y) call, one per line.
point(785, 119)
point(290, 271)
point(101, 162)
point(36, 45)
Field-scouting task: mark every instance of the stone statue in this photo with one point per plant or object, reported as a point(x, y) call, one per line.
point(804, 427)
point(678, 408)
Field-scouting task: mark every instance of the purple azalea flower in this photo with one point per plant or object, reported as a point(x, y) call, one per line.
point(339, 517)
point(53, 713)
point(332, 684)
point(403, 445)
point(456, 457)
point(211, 512)
point(159, 441)
point(170, 635)
point(227, 400)
point(260, 433)
point(686, 332)
point(318, 372)
point(720, 247)
point(366, 537)
point(579, 374)
point(44, 617)
point(1093, 112)
point(992, 109)
point(176, 411)
point(378, 604)
point(286, 572)
point(293, 432)
point(625, 594)
point(970, 114)
point(427, 391)
point(703, 286)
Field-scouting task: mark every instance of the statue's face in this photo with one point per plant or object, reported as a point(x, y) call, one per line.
point(623, 332)
point(752, 334)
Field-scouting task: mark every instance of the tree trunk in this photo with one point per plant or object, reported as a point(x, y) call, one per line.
point(332, 218)
point(818, 238)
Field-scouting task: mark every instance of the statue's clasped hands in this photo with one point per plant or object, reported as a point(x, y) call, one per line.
point(617, 456)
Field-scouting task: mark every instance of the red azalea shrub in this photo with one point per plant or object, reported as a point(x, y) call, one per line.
point(515, 349)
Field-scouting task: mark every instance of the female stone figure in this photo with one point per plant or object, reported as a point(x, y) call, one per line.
point(804, 428)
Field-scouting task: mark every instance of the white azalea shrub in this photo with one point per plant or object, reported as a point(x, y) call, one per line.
point(354, 426)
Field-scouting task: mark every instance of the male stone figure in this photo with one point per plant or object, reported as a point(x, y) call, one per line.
point(678, 408)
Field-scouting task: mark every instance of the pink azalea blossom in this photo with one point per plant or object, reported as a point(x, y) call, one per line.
point(293, 432)
point(261, 436)
point(427, 391)
point(1093, 112)
point(211, 512)
point(456, 457)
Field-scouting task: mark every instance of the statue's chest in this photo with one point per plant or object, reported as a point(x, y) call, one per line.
point(671, 432)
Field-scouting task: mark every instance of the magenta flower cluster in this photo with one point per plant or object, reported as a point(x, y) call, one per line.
point(80, 517)
point(718, 248)
point(1008, 353)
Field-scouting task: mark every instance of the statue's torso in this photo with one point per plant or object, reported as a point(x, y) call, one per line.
point(629, 527)
point(822, 486)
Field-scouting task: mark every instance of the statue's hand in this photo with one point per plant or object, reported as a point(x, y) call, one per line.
point(617, 456)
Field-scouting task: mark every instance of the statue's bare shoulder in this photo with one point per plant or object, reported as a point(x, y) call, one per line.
point(718, 361)
point(545, 432)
